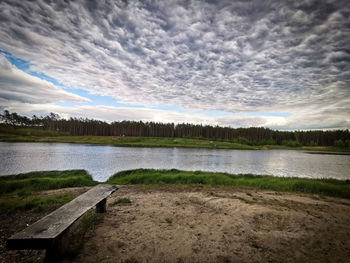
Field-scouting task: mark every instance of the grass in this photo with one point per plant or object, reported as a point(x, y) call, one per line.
point(327, 187)
point(131, 141)
point(32, 202)
point(38, 135)
point(38, 181)
point(22, 192)
point(122, 201)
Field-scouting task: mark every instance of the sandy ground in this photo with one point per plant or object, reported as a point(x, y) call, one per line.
point(218, 224)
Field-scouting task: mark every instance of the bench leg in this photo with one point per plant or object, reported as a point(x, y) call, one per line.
point(101, 206)
point(55, 251)
point(52, 256)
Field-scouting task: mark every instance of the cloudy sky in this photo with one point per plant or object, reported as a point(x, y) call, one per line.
point(278, 64)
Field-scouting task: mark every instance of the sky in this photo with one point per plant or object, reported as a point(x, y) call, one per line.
point(279, 64)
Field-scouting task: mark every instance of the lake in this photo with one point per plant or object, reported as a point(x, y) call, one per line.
point(103, 161)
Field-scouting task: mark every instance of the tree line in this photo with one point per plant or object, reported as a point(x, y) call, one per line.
point(252, 135)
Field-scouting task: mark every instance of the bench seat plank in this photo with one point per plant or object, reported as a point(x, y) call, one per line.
point(40, 234)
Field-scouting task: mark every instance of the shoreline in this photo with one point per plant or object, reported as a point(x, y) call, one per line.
point(164, 142)
point(20, 187)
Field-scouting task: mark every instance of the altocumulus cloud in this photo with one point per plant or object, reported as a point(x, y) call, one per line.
point(233, 56)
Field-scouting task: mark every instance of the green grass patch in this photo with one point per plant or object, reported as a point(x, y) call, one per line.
point(38, 181)
point(328, 187)
point(22, 192)
point(33, 202)
point(122, 201)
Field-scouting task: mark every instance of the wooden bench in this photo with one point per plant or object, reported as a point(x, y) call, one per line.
point(47, 232)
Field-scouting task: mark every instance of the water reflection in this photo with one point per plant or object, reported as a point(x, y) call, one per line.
point(103, 161)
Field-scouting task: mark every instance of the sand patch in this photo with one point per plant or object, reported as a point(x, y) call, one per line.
point(180, 223)
point(220, 224)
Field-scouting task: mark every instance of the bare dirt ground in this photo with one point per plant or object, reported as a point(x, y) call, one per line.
point(220, 224)
point(217, 224)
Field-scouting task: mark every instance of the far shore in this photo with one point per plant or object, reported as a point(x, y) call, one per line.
point(125, 141)
point(27, 134)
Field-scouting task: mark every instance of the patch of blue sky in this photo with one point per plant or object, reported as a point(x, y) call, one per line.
point(96, 100)
point(45, 77)
point(19, 63)
point(25, 66)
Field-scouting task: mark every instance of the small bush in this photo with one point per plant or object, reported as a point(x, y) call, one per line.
point(339, 143)
point(291, 143)
point(242, 140)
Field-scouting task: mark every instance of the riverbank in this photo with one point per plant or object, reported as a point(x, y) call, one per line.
point(33, 135)
point(197, 216)
point(20, 192)
point(201, 223)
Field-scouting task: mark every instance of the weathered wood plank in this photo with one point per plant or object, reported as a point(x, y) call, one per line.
point(41, 234)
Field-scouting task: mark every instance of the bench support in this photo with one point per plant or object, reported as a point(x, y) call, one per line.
point(55, 251)
point(101, 206)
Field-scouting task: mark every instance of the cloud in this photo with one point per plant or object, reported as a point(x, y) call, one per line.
point(109, 114)
point(17, 85)
point(235, 120)
point(234, 56)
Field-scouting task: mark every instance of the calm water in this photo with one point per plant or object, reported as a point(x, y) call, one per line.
point(103, 161)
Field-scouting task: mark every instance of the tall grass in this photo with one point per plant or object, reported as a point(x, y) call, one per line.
point(329, 187)
point(36, 181)
point(21, 192)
